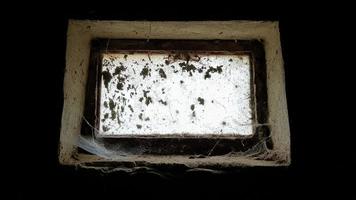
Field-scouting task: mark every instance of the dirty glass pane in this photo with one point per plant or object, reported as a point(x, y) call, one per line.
point(162, 94)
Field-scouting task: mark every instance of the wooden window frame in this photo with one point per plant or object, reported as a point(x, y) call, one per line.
point(204, 145)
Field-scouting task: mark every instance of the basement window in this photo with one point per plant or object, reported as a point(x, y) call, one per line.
point(189, 94)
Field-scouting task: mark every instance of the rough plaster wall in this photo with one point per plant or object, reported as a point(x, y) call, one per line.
point(77, 60)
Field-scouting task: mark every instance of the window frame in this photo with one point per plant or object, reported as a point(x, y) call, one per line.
point(79, 36)
point(204, 145)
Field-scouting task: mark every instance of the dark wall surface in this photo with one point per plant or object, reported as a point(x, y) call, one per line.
point(321, 154)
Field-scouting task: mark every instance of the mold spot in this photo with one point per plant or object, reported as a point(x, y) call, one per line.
point(223, 123)
point(105, 104)
point(230, 60)
point(105, 128)
point(147, 119)
point(124, 100)
point(106, 115)
point(162, 73)
point(112, 104)
point(130, 87)
point(207, 75)
point(119, 69)
point(181, 82)
point(131, 109)
point(113, 114)
point(138, 126)
point(145, 72)
point(212, 70)
point(140, 116)
point(120, 86)
point(187, 67)
point(201, 101)
point(106, 77)
point(148, 99)
point(166, 62)
point(118, 120)
point(125, 56)
point(193, 114)
point(192, 107)
point(163, 102)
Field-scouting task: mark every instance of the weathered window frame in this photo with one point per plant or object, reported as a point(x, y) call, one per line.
point(202, 145)
point(80, 35)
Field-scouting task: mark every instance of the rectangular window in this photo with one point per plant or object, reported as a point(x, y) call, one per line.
point(203, 94)
point(177, 96)
point(173, 94)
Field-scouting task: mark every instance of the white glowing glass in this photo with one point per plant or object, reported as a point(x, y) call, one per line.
point(210, 94)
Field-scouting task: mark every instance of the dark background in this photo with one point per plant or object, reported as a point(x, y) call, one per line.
point(317, 66)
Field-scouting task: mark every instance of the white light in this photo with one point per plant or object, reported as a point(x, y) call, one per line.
point(159, 95)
